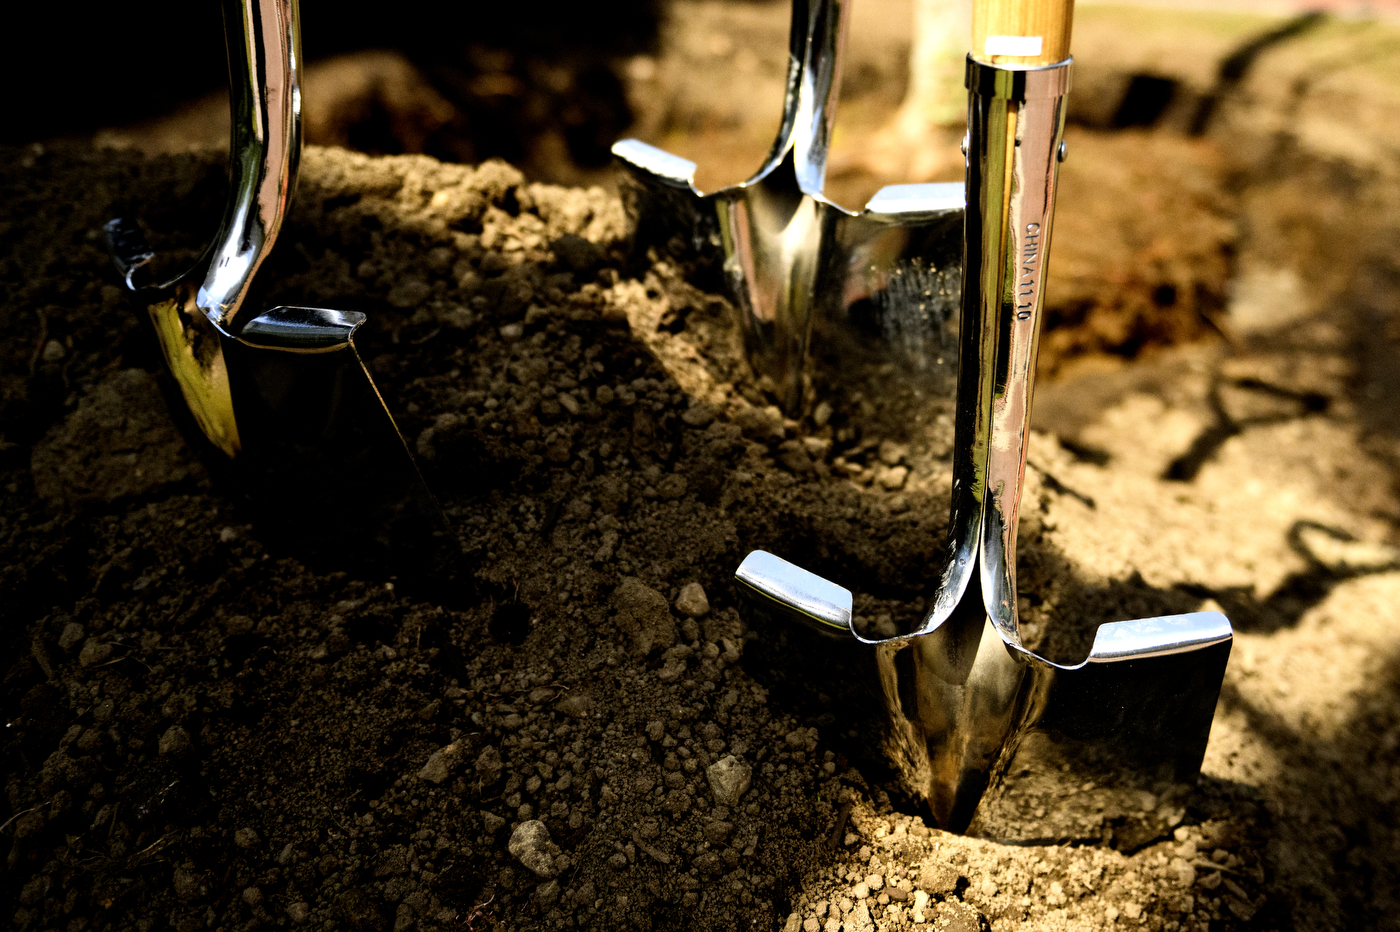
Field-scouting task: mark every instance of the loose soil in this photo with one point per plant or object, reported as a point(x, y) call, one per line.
point(205, 731)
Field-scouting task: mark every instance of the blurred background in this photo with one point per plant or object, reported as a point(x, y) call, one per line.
point(1221, 150)
point(546, 84)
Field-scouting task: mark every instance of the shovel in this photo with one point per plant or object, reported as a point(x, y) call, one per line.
point(790, 259)
point(279, 402)
point(997, 739)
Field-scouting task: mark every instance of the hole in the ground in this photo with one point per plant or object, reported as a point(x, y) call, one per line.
point(1145, 100)
point(510, 623)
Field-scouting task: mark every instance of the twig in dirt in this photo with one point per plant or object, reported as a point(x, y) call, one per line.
point(477, 913)
point(43, 340)
point(1055, 485)
point(156, 846)
point(839, 831)
point(656, 853)
point(125, 657)
point(22, 812)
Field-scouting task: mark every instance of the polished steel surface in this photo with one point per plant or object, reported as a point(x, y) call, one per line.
point(196, 311)
point(992, 735)
point(789, 257)
point(280, 401)
point(801, 595)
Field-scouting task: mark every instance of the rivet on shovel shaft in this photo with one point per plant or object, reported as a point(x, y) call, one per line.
point(788, 256)
point(280, 402)
point(995, 738)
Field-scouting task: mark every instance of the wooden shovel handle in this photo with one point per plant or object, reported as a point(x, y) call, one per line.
point(1021, 32)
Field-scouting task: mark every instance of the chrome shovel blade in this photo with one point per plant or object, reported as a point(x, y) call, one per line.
point(279, 402)
point(791, 260)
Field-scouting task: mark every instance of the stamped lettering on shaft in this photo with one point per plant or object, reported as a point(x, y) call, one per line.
point(1026, 281)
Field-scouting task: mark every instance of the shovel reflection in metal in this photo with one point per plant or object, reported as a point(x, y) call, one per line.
point(788, 257)
point(999, 740)
point(281, 402)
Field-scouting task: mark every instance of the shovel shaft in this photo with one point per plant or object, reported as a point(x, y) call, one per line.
point(1015, 124)
point(264, 57)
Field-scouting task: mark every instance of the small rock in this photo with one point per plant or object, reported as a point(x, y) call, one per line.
point(822, 414)
point(1185, 874)
point(700, 414)
point(409, 293)
point(920, 903)
point(938, 879)
point(187, 885)
point(762, 424)
point(793, 456)
point(547, 892)
point(672, 487)
point(717, 832)
point(175, 742)
point(708, 863)
point(892, 478)
point(239, 624)
point(441, 763)
point(94, 652)
point(489, 766)
point(361, 910)
point(1132, 910)
point(860, 891)
point(299, 912)
point(491, 822)
point(729, 779)
point(811, 924)
point(72, 634)
point(891, 453)
point(246, 838)
point(644, 616)
point(817, 447)
point(252, 896)
point(575, 705)
point(1242, 909)
point(440, 259)
point(582, 256)
point(531, 846)
point(875, 882)
point(32, 823)
point(692, 600)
